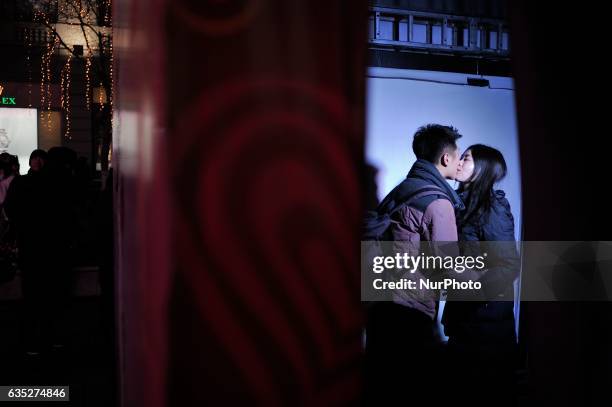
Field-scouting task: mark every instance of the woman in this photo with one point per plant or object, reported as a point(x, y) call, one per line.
point(38, 158)
point(482, 339)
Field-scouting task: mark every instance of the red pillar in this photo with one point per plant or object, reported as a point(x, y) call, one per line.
point(238, 150)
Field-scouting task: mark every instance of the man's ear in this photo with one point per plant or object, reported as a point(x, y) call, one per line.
point(444, 160)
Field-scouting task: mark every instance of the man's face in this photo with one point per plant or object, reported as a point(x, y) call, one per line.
point(452, 159)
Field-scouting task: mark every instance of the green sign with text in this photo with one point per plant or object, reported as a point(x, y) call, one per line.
point(6, 100)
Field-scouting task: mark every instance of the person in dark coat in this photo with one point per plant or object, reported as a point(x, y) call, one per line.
point(482, 339)
point(40, 207)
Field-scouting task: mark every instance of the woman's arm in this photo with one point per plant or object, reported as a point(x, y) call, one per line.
point(502, 256)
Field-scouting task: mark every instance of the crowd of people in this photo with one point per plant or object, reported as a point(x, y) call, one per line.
point(38, 218)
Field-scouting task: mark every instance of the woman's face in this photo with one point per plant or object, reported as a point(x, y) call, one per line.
point(466, 167)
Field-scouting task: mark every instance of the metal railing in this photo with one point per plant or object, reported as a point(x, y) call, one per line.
point(417, 31)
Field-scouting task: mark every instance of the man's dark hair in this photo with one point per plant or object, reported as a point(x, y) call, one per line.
point(431, 141)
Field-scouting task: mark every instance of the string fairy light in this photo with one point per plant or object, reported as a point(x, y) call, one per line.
point(28, 40)
point(111, 97)
point(45, 67)
point(42, 79)
point(54, 42)
point(66, 79)
point(88, 80)
point(101, 96)
point(45, 83)
point(107, 14)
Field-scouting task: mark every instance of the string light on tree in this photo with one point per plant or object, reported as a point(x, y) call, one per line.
point(107, 14)
point(28, 40)
point(111, 97)
point(101, 97)
point(78, 22)
point(88, 80)
point(54, 44)
point(65, 86)
point(45, 74)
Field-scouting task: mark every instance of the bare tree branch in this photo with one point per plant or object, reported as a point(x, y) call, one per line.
point(82, 13)
point(94, 9)
point(82, 22)
point(47, 24)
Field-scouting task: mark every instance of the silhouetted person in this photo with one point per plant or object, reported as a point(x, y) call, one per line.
point(40, 206)
point(82, 172)
point(105, 244)
point(37, 160)
point(8, 250)
point(7, 174)
point(15, 166)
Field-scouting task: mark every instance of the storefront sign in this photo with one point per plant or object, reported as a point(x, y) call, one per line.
point(5, 99)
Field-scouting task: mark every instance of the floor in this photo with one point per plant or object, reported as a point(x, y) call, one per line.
point(86, 364)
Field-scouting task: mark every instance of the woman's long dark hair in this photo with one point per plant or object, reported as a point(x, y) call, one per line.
point(489, 168)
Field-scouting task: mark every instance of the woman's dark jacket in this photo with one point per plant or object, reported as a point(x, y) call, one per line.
point(491, 320)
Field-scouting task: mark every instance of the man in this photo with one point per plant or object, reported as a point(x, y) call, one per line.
point(400, 334)
point(428, 217)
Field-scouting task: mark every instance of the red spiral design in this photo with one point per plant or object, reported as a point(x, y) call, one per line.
point(216, 17)
point(274, 235)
